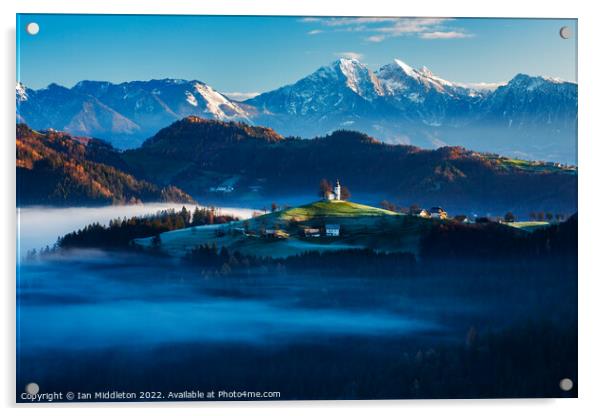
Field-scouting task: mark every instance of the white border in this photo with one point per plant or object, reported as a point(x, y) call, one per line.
point(590, 157)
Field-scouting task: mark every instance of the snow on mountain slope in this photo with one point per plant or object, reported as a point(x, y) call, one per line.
point(534, 117)
point(344, 85)
point(533, 102)
point(125, 113)
point(219, 106)
point(21, 93)
point(398, 78)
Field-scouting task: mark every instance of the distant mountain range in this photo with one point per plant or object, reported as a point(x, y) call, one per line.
point(238, 163)
point(528, 117)
point(57, 169)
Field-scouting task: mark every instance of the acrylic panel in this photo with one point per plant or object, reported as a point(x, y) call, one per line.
point(295, 208)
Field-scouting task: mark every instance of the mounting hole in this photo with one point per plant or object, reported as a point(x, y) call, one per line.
point(566, 384)
point(32, 388)
point(565, 32)
point(32, 28)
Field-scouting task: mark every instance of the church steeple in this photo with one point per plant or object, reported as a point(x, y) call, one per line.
point(337, 191)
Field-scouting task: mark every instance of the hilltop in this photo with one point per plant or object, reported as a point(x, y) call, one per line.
point(285, 233)
point(333, 226)
point(331, 209)
point(55, 168)
point(236, 162)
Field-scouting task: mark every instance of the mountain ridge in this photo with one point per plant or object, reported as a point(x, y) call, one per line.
point(222, 160)
point(58, 169)
point(530, 116)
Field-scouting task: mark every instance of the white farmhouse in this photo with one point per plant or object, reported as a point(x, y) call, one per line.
point(332, 230)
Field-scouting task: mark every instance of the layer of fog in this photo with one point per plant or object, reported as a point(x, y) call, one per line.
point(93, 301)
point(38, 227)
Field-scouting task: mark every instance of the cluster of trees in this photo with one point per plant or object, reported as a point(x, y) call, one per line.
point(221, 261)
point(533, 216)
point(546, 216)
point(120, 232)
point(391, 206)
point(492, 241)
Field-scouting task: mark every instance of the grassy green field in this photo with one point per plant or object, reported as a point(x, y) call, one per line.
point(322, 209)
point(528, 225)
point(530, 166)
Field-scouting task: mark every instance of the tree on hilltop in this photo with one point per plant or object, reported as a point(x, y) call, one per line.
point(325, 188)
point(345, 194)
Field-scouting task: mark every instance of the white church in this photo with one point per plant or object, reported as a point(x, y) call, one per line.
point(336, 195)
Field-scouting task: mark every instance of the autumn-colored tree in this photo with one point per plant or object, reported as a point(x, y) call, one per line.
point(388, 205)
point(325, 188)
point(345, 194)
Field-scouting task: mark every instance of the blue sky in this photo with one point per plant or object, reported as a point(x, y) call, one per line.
point(256, 54)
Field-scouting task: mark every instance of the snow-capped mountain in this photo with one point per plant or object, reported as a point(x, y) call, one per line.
point(124, 113)
point(344, 87)
point(400, 79)
point(536, 102)
point(530, 117)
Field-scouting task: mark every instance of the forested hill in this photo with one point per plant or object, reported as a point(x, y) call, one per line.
point(197, 154)
point(55, 168)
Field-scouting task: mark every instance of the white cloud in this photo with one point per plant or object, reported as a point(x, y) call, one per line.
point(349, 55)
point(240, 96)
point(355, 21)
point(310, 19)
point(375, 38)
point(445, 35)
point(379, 29)
point(484, 86)
point(417, 25)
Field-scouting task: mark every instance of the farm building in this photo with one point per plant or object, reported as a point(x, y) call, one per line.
point(332, 230)
point(312, 232)
point(420, 212)
point(438, 212)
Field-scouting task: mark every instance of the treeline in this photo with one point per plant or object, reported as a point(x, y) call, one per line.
point(120, 232)
point(492, 241)
point(358, 262)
